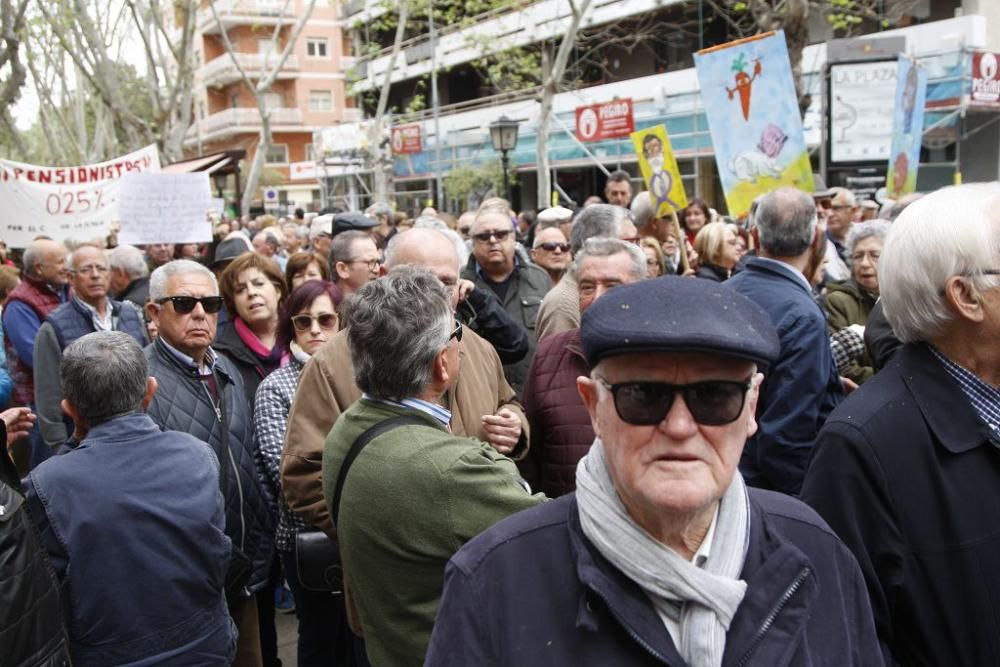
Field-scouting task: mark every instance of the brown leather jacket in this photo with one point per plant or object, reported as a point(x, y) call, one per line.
point(326, 388)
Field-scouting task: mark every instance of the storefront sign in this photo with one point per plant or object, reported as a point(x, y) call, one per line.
point(65, 203)
point(406, 139)
point(862, 96)
point(985, 79)
point(609, 120)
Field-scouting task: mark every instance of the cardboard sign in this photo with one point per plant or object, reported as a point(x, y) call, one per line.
point(406, 139)
point(659, 169)
point(610, 120)
point(908, 128)
point(985, 79)
point(65, 203)
point(753, 114)
point(165, 208)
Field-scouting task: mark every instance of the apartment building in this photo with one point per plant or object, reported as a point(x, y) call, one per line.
point(654, 72)
point(308, 94)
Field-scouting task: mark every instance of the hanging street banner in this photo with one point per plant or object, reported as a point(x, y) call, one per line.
point(65, 203)
point(406, 139)
point(861, 99)
point(985, 80)
point(610, 120)
point(659, 169)
point(907, 128)
point(749, 98)
point(165, 208)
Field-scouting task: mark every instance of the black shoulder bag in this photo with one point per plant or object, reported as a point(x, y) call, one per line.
point(317, 557)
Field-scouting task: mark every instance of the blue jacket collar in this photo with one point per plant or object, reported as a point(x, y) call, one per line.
point(778, 268)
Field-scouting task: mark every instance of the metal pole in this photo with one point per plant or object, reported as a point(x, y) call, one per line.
point(435, 103)
point(506, 181)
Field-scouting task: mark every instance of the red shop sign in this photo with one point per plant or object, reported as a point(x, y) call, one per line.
point(985, 82)
point(406, 139)
point(609, 120)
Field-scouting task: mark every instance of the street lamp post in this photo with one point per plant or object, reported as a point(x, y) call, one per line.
point(503, 134)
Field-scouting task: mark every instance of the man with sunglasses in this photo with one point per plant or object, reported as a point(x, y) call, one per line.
point(89, 310)
point(519, 286)
point(551, 252)
point(662, 555)
point(201, 393)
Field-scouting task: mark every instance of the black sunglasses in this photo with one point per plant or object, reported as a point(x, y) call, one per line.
point(457, 333)
point(711, 403)
point(185, 304)
point(552, 247)
point(304, 322)
point(486, 237)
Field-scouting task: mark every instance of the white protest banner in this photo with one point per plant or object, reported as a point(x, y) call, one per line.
point(165, 208)
point(65, 203)
point(218, 205)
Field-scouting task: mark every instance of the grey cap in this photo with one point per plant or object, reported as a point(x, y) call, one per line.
point(555, 214)
point(345, 222)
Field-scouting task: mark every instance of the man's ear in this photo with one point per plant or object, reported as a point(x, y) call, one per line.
point(153, 312)
point(151, 386)
point(964, 299)
point(589, 392)
point(340, 268)
point(442, 371)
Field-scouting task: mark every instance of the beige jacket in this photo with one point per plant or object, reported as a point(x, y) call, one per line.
point(326, 388)
point(560, 309)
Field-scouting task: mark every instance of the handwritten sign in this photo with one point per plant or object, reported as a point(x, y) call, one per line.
point(165, 208)
point(65, 203)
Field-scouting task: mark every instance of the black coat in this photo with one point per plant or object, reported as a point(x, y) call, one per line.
point(181, 403)
point(532, 590)
point(909, 477)
point(31, 629)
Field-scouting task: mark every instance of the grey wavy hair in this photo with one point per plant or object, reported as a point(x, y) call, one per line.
point(786, 222)
point(104, 375)
point(596, 220)
point(950, 232)
point(873, 229)
point(178, 267)
point(129, 259)
point(606, 247)
point(396, 326)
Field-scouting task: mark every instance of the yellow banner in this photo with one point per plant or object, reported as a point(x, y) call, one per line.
point(659, 169)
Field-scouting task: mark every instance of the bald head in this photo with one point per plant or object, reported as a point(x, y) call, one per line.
point(430, 249)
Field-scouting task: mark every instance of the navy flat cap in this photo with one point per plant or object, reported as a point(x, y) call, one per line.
point(677, 314)
point(345, 222)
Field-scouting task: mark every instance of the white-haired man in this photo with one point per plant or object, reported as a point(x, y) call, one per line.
point(907, 469)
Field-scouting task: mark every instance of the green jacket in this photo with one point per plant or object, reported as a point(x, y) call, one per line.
point(847, 304)
point(411, 499)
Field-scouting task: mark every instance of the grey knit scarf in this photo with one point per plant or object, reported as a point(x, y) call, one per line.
point(703, 600)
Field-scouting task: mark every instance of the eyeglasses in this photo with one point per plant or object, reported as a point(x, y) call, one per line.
point(303, 322)
point(91, 268)
point(486, 237)
point(711, 403)
point(372, 263)
point(860, 256)
point(457, 333)
point(634, 240)
point(185, 304)
point(552, 247)
point(839, 207)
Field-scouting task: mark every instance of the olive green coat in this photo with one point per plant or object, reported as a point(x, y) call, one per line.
point(847, 304)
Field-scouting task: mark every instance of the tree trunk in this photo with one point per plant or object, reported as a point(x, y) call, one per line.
point(380, 156)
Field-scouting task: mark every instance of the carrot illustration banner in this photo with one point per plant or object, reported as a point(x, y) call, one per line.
point(907, 128)
point(749, 98)
point(659, 169)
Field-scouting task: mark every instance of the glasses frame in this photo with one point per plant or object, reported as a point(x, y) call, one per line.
point(564, 247)
point(203, 300)
point(372, 264)
point(300, 316)
point(487, 237)
point(456, 333)
point(682, 389)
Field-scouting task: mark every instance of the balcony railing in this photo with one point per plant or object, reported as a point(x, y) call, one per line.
point(237, 12)
point(241, 119)
point(222, 70)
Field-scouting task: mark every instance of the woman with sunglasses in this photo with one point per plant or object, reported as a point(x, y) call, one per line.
point(252, 287)
point(307, 320)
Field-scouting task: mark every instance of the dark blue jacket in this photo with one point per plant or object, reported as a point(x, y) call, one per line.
point(134, 526)
point(72, 320)
point(908, 475)
point(532, 590)
point(182, 403)
point(800, 389)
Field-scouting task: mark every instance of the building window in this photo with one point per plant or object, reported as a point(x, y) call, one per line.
point(320, 100)
point(316, 47)
point(277, 154)
point(310, 156)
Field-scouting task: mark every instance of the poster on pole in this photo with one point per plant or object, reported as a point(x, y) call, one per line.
point(907, 128)
point(749, 97)
point(861, 98)
point(65, 203)
point(165, 208)
point(659, 169)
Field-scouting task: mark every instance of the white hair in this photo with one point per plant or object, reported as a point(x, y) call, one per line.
point(947, 233)
point(178, 267)
point(129, 259)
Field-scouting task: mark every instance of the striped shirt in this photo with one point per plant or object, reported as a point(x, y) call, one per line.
point(985, 398)
point(439, 413)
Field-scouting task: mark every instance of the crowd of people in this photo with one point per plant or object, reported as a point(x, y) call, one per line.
point(592, 436)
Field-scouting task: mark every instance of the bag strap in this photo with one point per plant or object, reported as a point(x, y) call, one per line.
point(359, 444)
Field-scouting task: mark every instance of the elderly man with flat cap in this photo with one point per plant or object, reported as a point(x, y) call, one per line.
point(663, 556)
